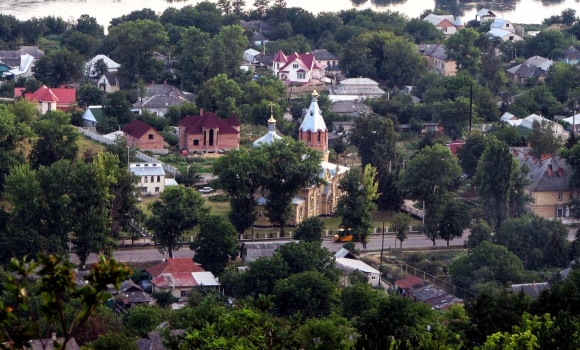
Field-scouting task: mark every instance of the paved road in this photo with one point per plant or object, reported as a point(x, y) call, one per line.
point(413, 241)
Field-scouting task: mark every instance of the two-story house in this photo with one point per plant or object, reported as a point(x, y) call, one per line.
point(447, 24)
point(505, 30)
point(297, 68)
point(151, 177)
point(144, 137)
point(438, 60)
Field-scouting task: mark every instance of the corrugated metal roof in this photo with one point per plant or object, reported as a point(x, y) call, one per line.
point(170, 182)
point(205, 279)
point(147, 170)
point(356, 265)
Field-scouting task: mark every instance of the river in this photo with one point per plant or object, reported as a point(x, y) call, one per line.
point(518, 11)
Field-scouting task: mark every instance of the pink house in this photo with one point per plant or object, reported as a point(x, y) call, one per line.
point(298, 67)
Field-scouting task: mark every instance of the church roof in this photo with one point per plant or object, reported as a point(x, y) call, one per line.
point(313, 120)
point(195, 124)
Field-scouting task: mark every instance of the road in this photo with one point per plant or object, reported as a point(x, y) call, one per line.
point(413, 241)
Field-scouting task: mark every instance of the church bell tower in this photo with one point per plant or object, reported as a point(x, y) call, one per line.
point(313, 131)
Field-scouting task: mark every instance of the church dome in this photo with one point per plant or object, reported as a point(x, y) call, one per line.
point(271, 136)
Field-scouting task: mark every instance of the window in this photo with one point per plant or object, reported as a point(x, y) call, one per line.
point(309, 136)
point(319, 137)
point(183, 293)
point(156, 189)
point(560, 196)
point(49, 106)
point(158, 178)
point(152, 179)
point(151, 136)
point(196, 142)
point(143, 189)
point(301, 75)
point(295, 66)
point(507, 25)
point(145, 179)
point(511, 37)
point(560, 212)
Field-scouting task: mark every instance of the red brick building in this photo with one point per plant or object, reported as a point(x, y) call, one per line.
point(143, 136)
point(209, 133)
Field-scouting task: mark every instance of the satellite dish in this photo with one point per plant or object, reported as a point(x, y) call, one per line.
point(284, 77)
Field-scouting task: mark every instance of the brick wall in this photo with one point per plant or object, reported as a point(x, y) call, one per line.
point(144, 143)
point(227, 141)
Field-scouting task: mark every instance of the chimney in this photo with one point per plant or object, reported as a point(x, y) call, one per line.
point(201, 111)
point(53, 336)
point(561, 171)
point(550, 173)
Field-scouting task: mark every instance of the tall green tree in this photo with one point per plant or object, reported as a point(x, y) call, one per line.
point(14, 131)
point(400, 223)
point(220, 95)
point(356, 204)
point(376, 141)
point(428, 177)
point(134, 43)
point(462, 48)
point(480, 232)
point(215, 244)
point(58, 67)
point(291, 166)
point(561, 79)
point(178, 210)
point(227, 51)
point(544, 140)
point(56, 140)
point(493, 178)
point(88, 95)
point(194, 62)
point(310, 230)
point(453, 220)
point(309, 256)
point(470, 153)
point(333, 332)
point(241, 174)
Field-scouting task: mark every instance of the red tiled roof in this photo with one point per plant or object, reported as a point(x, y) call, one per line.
point(60, 95)
point(177, 279)
point(305, 59)
point(408, 282)
point(280, 57)
point(445, 23)
point(18, 91)
point(174, 265)
point(136, 128)
point(234, 121)
point(194, 124)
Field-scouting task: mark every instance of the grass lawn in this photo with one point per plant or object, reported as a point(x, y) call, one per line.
point(85, 143)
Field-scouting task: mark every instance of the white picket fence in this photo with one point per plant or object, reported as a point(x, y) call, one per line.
point(139, 155)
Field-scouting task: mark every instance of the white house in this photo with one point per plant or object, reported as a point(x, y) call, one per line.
point(90, 69)
point(445, 23)
point(484, 15)
point(297, 68)
point(504, 35)
point(574, 121)
point(500, 23)
point(108, 82)
point(350, 265)
point(151, 177)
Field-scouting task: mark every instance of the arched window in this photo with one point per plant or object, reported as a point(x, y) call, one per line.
point(309, 136)
point(211, 137)
point(319, 137)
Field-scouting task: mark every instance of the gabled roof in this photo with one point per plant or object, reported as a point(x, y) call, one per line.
point(259, 37)
point(436, 19)
point(540, 62)
point(484, 12)
point(571, 53)
point(433, 50)
point(136, 128)
point(540, 170)
point(173, 265)
point(324, 55)
point(499, 23)
point(94, 114)
point(279, 57)
point(352, 265)
point(533, 290)
point(500, 33)
point(209, 120)
point(458, 22)
point(344, 253)
point(60, 95)
point(507, 116)
point(160, 101)
point(523, 70)
point(408, 282)
point(234, 121)
point(306, 60)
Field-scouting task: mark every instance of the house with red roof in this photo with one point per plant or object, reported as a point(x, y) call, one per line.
point(298, 68)
point(50, 99)
point(209, 133)
point(143, 137)
point(180, 276)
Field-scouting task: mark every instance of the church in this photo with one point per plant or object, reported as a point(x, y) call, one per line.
point(314, 200)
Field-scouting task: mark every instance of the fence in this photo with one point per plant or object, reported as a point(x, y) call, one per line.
point(412, 210)
point(437, 282)
point(139, 155)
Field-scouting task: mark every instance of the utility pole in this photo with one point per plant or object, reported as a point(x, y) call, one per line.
point(382, 248)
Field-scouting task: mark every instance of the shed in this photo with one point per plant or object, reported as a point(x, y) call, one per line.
point(251, 251)
point(350, 265)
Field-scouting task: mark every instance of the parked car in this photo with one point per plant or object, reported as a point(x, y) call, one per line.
point(206, 190)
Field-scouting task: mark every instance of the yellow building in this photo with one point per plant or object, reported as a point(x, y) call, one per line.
point(314, 200)
point(438, 60)
point(548, 184)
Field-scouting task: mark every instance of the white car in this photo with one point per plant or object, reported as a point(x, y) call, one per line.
point(206, 190)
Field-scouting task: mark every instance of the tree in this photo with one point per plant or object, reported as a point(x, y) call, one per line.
point(309, 293)
point(88, 94)
point(238, 6)
point(190, 177)
point(58, 67)
point(134, 43)
point(241, 174)
point(56, 283)
point(561, 79)
point(453, 115)
point(88, 25)
point(470, 153)
point(114, 341)
point(544, 140)
point(310, 230)
point(215, 244)
point(56, 140)
point(494, 178)
point(220, 94)
point(261, 276)
point(82, 43)
point(177, 210)
point(291, 166)
point(463, 50)
point(225, 6)
point(548, 43)
point(480, 232)
point(227, 51)
point(309, 256)
point(428, 177)
point(538, 99)
point(261, 6)
point(400, 222)
point(356, 205)
point(484, 263)
point(117, 111)
point(376, 141)
point(333, 332)
point(453, 220)
point(164, 299)
point(194, 62)
point(423, 31)
point(386, 56)
point(14, 130)
point(556, 251)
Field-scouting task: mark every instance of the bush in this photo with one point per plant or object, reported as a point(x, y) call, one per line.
point(219, 198)
point(170, 138)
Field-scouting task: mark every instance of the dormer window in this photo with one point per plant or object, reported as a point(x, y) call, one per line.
point(295, 66)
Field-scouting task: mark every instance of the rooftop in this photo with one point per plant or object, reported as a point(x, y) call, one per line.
point(352, 264)
point(173, 265)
